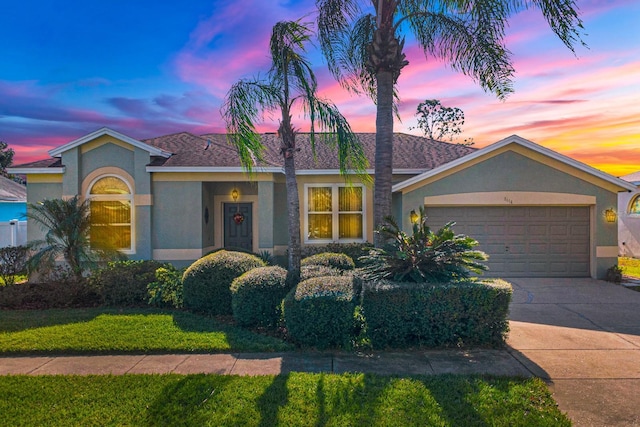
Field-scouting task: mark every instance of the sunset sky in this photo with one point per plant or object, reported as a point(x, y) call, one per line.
point(149, 68)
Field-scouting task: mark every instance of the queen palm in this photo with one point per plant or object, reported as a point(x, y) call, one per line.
point(363, 43)
point(289, 86)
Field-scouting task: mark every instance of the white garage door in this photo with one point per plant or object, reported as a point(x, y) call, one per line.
point(524, 241)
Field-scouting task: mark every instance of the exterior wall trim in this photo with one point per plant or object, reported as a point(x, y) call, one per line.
point(509, 198)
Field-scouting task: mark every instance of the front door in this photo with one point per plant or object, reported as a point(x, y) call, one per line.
point(238, 232)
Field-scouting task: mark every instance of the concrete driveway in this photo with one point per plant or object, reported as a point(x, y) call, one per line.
point(583, 336)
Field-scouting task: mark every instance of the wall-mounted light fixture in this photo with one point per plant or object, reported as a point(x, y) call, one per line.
point(610, 215)
point(414, 217)
point(235, 194)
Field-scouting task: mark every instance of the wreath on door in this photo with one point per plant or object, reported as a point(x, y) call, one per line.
point(238, 218)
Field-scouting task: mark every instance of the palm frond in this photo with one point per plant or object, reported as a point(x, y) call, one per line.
point(245, 103)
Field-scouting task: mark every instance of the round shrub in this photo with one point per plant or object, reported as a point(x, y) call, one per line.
point(330, 259)
point(309, 271)
point(319, 312)
point(256, 296)
point(206, 282)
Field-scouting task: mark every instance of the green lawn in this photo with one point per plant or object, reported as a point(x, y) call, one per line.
point(630, 266)
point(298, 399)
point(99, 330)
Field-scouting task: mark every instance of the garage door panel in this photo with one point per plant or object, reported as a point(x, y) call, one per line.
point(534, 241)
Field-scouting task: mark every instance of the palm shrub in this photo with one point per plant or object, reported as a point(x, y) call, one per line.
point(423, 256)
point(206, 282)
point(66, 224)
point(256, 296)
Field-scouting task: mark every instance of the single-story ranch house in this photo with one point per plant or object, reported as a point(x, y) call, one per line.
point(177, 197)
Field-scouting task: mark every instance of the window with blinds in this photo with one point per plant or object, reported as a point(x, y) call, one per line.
point(110, 202)
point(334, 213)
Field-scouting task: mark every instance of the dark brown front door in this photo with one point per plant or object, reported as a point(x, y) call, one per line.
point(238, 232)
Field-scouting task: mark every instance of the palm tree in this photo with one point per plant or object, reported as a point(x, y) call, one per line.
point(364, 51)
point(67, 224)
point(290, 81)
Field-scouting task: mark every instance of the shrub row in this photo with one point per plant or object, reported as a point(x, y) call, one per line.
point(124, 283)
point(463, 313)
point(256, 296)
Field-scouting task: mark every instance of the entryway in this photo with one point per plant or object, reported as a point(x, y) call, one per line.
point(238, 230)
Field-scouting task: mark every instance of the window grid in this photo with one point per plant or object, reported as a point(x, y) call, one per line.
point(343, 222)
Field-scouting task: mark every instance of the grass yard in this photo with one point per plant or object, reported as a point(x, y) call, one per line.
point(99, 330)
point(298, 399)
point(630, 266)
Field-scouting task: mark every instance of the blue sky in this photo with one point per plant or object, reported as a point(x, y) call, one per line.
point(150, 68)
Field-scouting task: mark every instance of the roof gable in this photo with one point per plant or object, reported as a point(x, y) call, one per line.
point(514, 142)
point(12, 191)
point(153, 151)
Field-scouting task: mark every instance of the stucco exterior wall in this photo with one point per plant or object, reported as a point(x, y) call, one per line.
point(512, 172)
point(38, 190)
point(628, 226)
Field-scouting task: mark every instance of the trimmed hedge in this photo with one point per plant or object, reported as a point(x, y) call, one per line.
point(309, 271)
point(410, 314)
point(256, 296)
point(206, 282)
point(319, 312)
point(53, 294)
point(124, 283)
point(352, 250)
point(330, 259)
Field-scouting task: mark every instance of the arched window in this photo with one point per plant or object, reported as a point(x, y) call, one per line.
point(634, 207)
point(111, 213)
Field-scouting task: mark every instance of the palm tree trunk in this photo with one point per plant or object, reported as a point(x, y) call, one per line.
point(384, 149)
point(288, 150)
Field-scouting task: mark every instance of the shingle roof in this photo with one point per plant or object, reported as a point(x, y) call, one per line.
point(410, 151)
point(634, 178)
point(188, 150)
point(11, 191)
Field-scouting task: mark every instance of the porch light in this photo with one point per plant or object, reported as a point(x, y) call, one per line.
point(610, 215)
point(413, 216)
point(235, 194)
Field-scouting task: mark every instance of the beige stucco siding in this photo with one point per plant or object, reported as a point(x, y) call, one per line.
point(512, 178)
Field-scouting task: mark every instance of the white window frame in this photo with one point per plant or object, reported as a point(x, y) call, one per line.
point(631, 203)
point(335, 214)
point(108, 197)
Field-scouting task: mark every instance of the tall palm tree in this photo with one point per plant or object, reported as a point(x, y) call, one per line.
point(290, 81)
point(67, 224)
point(363, 43)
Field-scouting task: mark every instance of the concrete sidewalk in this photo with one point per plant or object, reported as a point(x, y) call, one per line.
point(491, 362)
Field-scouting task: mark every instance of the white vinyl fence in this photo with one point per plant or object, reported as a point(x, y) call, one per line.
point(13, 233)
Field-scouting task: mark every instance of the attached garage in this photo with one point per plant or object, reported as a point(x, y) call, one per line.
point(536, 212)
point(524, 241)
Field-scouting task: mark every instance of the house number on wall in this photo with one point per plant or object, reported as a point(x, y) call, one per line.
point(508, 200)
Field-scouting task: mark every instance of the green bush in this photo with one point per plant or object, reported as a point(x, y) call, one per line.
point(61, 290)
point(124, 283)
point(330, 259)
point(309, 271)
point(166, 291)
point(13, 262)
point(319, 312)
point(352, 250)
point(206, 282)
point(256, 296)
point(402, 314)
